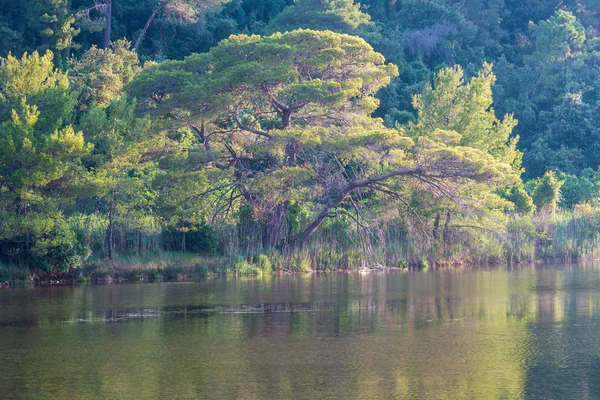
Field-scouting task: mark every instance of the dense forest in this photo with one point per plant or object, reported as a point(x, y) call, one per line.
point(260, 135)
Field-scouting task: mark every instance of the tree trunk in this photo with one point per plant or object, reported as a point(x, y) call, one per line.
point(276, 221)
point(436, 226)
point(310, 229)
point(446, 237)
point(286, 118)
point(21, 214)
point(111, 235)
point(275, 226)
point(140, 38)
point(108, 26)
point(325, 211)
point(291, 153)
point(27, 234)
point(183, 241)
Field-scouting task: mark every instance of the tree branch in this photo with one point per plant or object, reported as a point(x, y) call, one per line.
point(311, 228)
point(250, 129)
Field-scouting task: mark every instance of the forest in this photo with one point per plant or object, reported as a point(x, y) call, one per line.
point(168, 137)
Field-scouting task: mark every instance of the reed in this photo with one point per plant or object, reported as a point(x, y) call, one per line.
point(13, 273)
point(562, 235)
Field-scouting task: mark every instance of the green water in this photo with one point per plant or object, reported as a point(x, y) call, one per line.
point(504, 333)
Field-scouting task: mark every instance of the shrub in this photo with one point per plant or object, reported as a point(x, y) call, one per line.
point(59, 250)
point(303, 264)
point(264, 264)
point(245, 267)
point(423, 264)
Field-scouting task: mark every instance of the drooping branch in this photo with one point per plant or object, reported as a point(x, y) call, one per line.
point(352, 217)
point(420, 172)
point(325, 211)
point(379, 187)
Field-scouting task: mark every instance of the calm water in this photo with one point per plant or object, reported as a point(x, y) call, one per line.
point(527, 332)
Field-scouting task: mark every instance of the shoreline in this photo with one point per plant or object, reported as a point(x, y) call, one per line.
point(178, 272)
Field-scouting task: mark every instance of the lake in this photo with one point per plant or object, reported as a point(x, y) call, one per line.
point(497, 333)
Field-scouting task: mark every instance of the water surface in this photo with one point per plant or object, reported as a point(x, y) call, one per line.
point(502, 333)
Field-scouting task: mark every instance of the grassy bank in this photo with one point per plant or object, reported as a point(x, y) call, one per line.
point(174, 266)
point(561, 236)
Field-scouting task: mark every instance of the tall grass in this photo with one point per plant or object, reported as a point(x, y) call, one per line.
point(13, 273)
point(563, 235)
point(155, 266)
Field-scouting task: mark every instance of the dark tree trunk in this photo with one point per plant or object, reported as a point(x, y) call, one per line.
point(140, 38)
point(275, 226)
point(436, 226)
point(326, 210)
point(291, 153)
point(111, 233)
point(312, 228)
point(108, 26)
point(286, 118)
point(27, 234)
point(447, 228)
point(276, 220)
point(309, 230)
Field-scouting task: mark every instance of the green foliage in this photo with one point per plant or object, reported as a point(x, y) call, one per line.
point(241, 141)
point(452, 106)
point(264, 264)
point(299, 127)
point(523, 203)
point(40, 162)
point(552, 95)
point(101, 74)
point(32, 82)
point(55, 25)
point(456, 126)
point(302, 264)
point(284, 97)
point(546, 194)
point(343, 16)
point(201, 239)
point(580, 189)
point(245, 267)
point(31, 25)
point(122, 176)
point(57, 249)
point(154, 26)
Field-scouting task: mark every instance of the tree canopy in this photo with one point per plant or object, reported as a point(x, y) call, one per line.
point(287, 118)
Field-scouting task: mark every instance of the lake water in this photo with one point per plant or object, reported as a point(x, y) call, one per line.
point(501, 333)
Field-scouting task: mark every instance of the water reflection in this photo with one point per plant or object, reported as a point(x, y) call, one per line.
point(528, 332)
